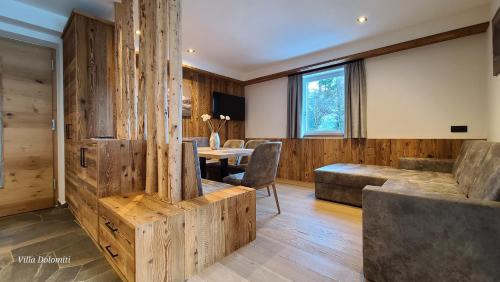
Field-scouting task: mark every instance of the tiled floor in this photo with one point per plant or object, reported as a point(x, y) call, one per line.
point(49, 233)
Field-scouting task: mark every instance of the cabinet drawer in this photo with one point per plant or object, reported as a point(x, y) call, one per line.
point(112, 224)
point(117, 250)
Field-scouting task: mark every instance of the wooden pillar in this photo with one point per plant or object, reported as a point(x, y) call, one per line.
point(175, 102)
point(160, 53)
point(147, 19)
point(161, 90)
point(126, 70)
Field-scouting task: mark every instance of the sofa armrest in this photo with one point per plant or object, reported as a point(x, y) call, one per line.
point(427, 164)
point(418, 236)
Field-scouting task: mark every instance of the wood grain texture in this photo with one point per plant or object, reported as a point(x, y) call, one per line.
point(126, 76)
point(311, 240)
point(147, 19)
point(26, 82)
point(173, 242)
point(419, 42)
point(89, 78)
point(161, 75)
point(101, 168)
point(191, 174)
point(299, 157)
point(174, 102)
point(201, 87)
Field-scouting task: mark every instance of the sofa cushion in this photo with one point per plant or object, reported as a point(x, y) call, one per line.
point(472, 164)
point(362, 175)
point(412, 187)
point(487, 183)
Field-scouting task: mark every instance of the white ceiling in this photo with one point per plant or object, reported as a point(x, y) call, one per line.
point(243, 35)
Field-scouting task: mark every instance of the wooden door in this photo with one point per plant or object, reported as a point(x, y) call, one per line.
point(27, 96)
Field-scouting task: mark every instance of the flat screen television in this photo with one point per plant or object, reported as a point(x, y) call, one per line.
point(228, 105)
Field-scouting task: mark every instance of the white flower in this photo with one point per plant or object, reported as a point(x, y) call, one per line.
point(222, 117)
point(206, 117)
point(228, 118)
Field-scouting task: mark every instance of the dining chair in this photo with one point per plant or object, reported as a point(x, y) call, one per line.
point(261, 169)
point(241, 167)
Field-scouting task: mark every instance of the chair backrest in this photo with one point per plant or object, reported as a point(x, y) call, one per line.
point(191, 172)
point(234, 143)
point(263, 165)
point(252, 144)
point(200, 141)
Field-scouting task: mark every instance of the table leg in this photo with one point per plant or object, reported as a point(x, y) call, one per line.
point(203, 167)
point(223, 168)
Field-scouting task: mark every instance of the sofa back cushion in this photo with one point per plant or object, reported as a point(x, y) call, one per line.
point(487, 183)
point(471, 165)
point(458, 166)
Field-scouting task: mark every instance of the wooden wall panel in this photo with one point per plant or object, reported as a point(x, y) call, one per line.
point(201, 86)
point(299, 157)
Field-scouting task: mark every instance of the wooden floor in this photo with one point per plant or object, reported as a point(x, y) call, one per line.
point(311, 240)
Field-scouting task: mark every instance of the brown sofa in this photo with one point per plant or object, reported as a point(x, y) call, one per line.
point(428, 226)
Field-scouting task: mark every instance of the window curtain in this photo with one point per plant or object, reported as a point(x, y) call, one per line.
point(294, 112)
point(355, 100)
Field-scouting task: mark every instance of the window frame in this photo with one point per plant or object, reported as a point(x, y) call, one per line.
point(317, 75)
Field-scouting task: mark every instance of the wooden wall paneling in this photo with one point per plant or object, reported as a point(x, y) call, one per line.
point(201, 86)
point(299, 157)
point(174, 103)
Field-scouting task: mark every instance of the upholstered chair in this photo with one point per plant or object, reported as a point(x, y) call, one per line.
point(261, 169)
point(241, 167)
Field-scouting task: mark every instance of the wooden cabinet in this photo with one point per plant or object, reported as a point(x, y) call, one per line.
point(146, 239)
point(101, 168)
point(89, 83)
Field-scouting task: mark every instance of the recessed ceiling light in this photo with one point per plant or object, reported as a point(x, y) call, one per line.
point(362, 19)
point(190, 50)
point(138, 32)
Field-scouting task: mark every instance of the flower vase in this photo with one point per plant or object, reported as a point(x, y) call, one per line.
point(214, 141)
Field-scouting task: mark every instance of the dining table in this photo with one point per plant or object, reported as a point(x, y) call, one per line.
point(222, 155)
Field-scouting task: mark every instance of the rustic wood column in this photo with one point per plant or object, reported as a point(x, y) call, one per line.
point(147, 20)
point(175, 102)
point(126, 77)
point(161, 90)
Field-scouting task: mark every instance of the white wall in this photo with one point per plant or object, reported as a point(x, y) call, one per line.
point(265, 109)
point(493, 87)
point(418, 93)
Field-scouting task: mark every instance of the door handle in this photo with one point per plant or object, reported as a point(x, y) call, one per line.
point(83, 162)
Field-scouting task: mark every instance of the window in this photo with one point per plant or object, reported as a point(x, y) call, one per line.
point(323, 111)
